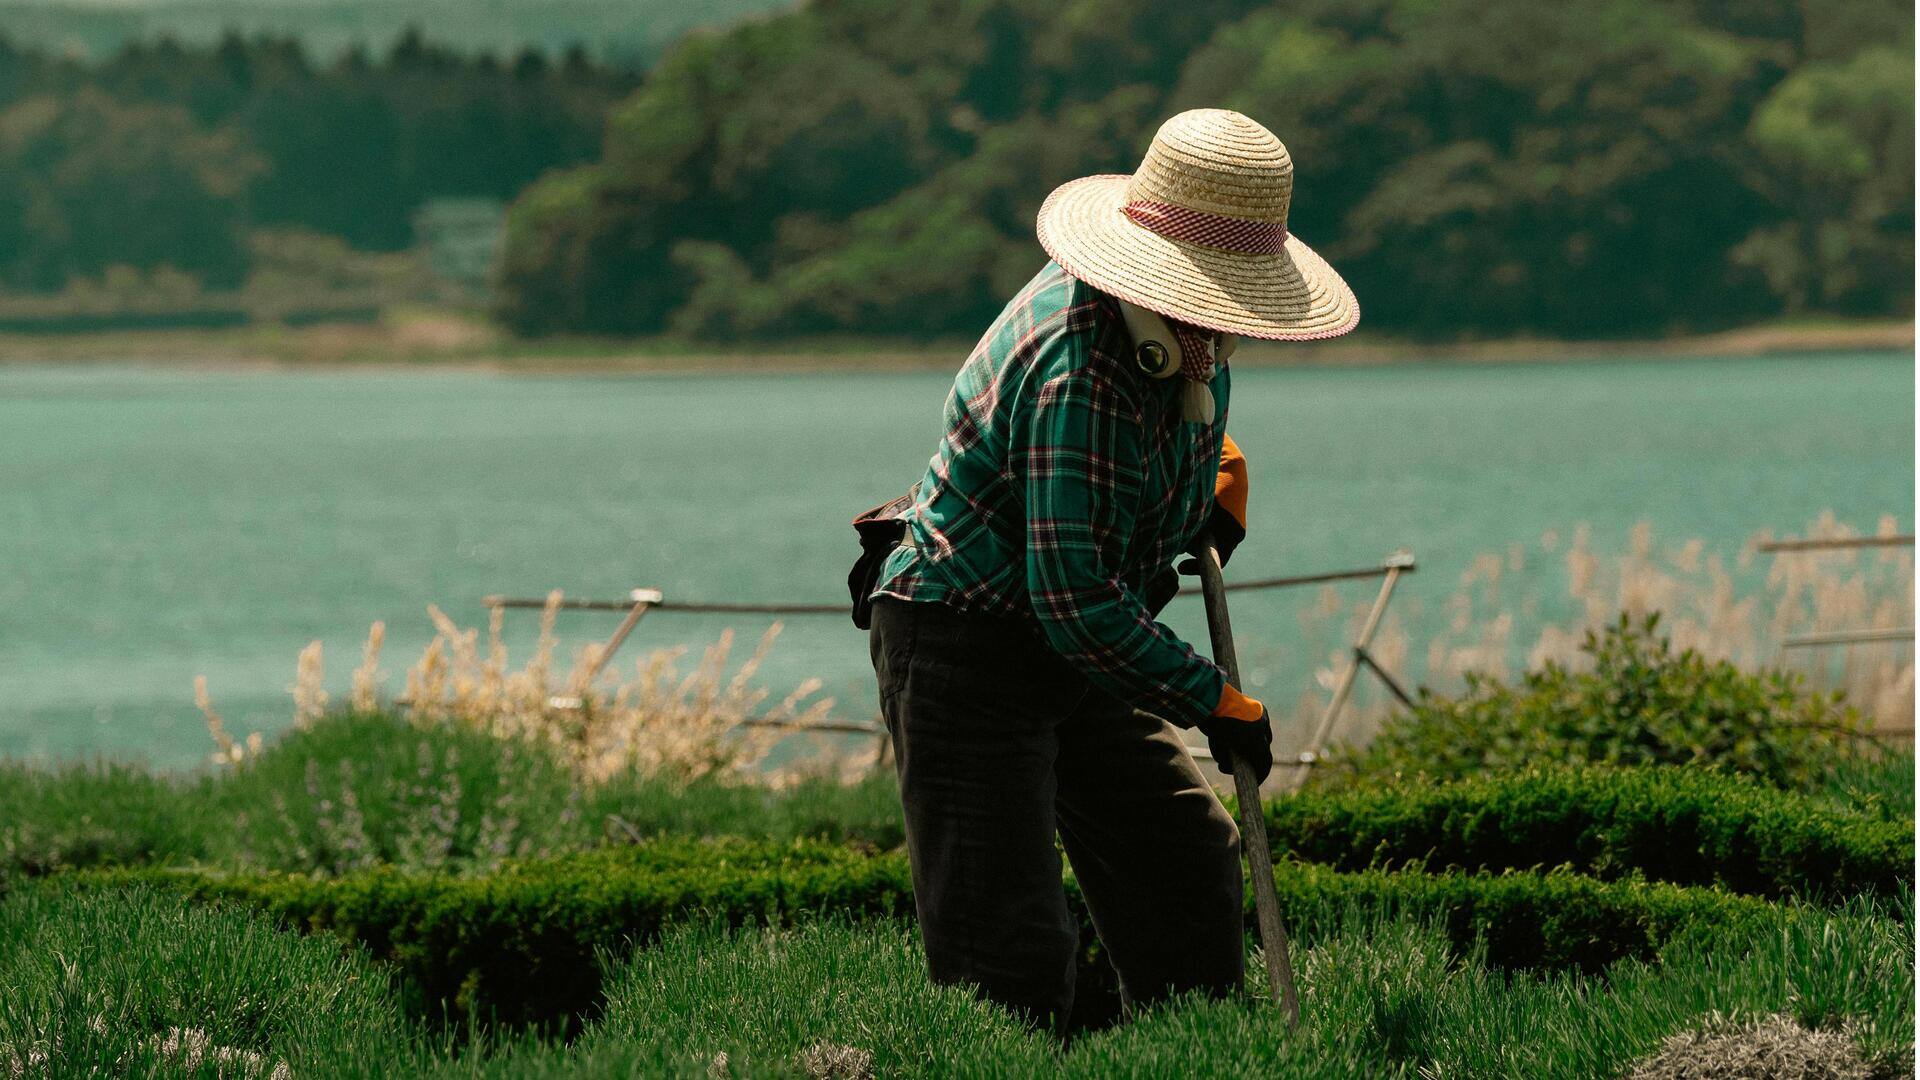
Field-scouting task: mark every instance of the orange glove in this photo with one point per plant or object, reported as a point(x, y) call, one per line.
point(1237, 705)
point(1228, 522)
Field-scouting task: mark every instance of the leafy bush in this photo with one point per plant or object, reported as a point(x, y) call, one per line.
point(520, 944)
point(139, 983)
point(1689, 826)
point(1641, 704)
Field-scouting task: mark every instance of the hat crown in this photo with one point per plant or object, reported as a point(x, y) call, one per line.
point(1219, 162)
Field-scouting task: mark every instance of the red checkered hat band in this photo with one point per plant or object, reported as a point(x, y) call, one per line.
point(1239, 235)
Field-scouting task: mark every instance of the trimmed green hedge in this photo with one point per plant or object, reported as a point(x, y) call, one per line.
point(1681, 825)
point(520, 945)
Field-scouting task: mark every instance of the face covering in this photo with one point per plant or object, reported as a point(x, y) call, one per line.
point(1199, 351)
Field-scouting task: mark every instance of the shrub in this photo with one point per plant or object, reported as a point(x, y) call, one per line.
point(358, 790)
point(519, 945)
point(354, 790)
point(865, 812)
point(1641, 704)
point(94, 815)
point(1688, 826)
point(142, 983)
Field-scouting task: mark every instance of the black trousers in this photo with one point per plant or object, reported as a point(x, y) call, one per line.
point(1000, 744)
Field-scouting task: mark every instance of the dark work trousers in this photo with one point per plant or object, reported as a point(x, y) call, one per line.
point(998, 744)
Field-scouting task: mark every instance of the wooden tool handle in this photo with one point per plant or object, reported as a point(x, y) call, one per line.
point(1253, 822)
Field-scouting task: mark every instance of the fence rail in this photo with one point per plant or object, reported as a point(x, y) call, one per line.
point(639, 602)
point(1837, 543)
point(1400, 562)
point(691, 607)
point(1862, 636)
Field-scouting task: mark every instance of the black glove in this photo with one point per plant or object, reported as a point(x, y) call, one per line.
point(1228, 738)
point(1227, 534)
point(1161, 589)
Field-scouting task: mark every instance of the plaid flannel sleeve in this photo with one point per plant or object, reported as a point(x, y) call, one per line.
point(1083, 443)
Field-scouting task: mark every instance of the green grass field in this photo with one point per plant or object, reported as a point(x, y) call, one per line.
point(147, 983)
point(369, 897)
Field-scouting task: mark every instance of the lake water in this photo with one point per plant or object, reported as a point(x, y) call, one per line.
point(155, 525)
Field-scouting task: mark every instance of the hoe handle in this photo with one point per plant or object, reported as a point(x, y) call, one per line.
point(1253, 823)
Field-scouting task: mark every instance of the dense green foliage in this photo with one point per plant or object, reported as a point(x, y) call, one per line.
point(1553, 921)
point(1642, 703)
point(165, 155)
point(520, 944)
point(138, 983)
point(356, 791)
point(623, 30)
point(1472, 166)
point(1550, 922)
point(1687, 826)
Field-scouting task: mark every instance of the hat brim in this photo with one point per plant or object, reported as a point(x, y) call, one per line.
point(1291, 295)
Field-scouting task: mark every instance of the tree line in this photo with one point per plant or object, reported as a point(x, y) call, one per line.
point(1473, 166)
point(169, 155)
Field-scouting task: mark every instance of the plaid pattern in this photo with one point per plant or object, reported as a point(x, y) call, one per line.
point(1066, 480)
point(1244, 235)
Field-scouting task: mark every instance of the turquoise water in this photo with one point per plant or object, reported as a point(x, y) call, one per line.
point(155, 525)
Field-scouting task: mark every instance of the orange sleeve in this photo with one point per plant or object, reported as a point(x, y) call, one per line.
point(1230, 487)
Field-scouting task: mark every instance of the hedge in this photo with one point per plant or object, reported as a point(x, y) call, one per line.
point(1679, 825)
point(521, 945)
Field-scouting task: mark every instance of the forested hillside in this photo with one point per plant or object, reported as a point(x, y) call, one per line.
point(172, 156)
point(620, 31)
point(1474, 166)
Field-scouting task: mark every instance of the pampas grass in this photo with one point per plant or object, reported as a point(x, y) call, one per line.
point(1740, 609)
point(663, 719)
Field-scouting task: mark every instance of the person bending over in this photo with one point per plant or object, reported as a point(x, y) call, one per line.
point(1024, 679)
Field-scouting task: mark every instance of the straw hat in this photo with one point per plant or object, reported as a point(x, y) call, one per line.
point(1199, 234)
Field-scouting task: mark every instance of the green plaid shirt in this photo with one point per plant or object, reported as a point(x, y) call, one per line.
point(1066, 480)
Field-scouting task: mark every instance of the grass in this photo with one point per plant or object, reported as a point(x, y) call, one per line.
point(680, 920)
point(137, 983)
point(1881, 785)
point(132, 982)
point(1384, 997)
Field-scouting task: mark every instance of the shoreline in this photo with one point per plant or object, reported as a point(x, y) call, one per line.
point(438, 342)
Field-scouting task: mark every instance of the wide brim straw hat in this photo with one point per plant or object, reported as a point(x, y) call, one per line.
point(1199, 234)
